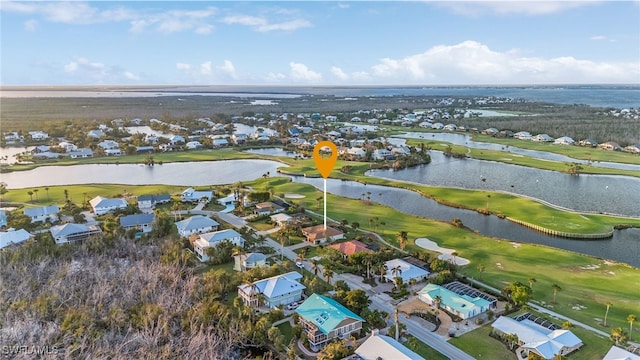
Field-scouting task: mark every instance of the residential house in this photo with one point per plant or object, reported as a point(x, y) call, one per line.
point(67, 146)
point(588, 142)
point(462, 305)
point(13, 236)
point(81, 153)
point(96, 133)
point(73, 232)
point(239, 139)
point(522, 135)
point(46, 155)
point(144, 149)
point(42, 214)
point(634, 149)
point(544, 342)
point(610, 145)
point(324, 319)
point(176, 139)
point(356, 153)
point(142, 222)
point(272, 292)
point(378, 347)
point(267, 208)
point(281, 219)
point(491, 131)
point(41, 149)
point(319, 235)
point(382, 154)
point(450, 127)
point(243, 262)
point(192, 145)
point(109, 144)
point(197, 224)
point(102, 205)
point(405, 270)
point(212, 239)
point(13, 137)
point(38, 135)
point(350, 247)
point(542, 138)
point(616, 353)
point(150, 201)
point(191, 195)
point(564, 140)
point(113, 152)
point(220, 142)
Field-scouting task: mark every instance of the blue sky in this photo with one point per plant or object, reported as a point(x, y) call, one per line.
point(319, 43)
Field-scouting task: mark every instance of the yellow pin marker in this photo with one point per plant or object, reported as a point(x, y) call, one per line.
point(325, 165)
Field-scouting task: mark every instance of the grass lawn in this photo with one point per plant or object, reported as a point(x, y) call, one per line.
point(423, 349)
point(480, 345)
point(312, 251)
point(287, 331)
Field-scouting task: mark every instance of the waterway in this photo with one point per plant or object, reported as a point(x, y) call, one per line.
point(182, 173)
point(465, 140)
point(587, 193)
point(624, 246)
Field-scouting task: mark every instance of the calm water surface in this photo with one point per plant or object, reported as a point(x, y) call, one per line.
point(624, 246)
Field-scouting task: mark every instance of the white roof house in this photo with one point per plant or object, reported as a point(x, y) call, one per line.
point(406, 271)
point(13, 237)
point(197, 224)
point(41, 214)
point(384, 347)
point(616, 353)
point(464, 306)
point(522, 135)
point(542, 138)
point(277, 290)
point(109, 144)
point(538, 339)
point(194, 195)
point(564, 140)
point(102, 205)
point(211, 239)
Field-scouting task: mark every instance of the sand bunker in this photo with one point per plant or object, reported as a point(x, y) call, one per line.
point(294, 196)
point(445, 254)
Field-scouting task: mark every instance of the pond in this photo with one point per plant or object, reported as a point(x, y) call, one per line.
point(465, 140)
point(586, 193)
point(182, 173)
point(624, 246)
point(273, 152)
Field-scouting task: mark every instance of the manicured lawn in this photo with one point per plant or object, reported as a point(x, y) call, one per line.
point(287, 331)
point(480, 345)
point(423, 349)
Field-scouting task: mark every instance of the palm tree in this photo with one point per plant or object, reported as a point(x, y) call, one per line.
point(47, 190)
point(66, 194)
point(555, 288)
point(631, 319)
point(35, 191)
point(531, 281)
point(437, 301)
point(609, 304)
point(327, 274)
point(30, 193)
point(618, 336)
point(315, 266)
point(402, 237)
point(453, 257)
point(282, 238)
point(383, 271)
point(396, 272)
point(480, 268)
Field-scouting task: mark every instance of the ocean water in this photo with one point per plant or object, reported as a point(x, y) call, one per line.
point(615, 96)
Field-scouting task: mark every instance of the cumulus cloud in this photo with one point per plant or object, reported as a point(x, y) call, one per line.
point(80, 64)
point(228, 69)
point(207, 71)
point(81, 70)
point(262, 24)
point(301, 73)
point(337, 72)
point(471, 62)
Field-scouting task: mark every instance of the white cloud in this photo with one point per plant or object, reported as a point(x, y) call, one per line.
point(30, 25)
point(131, 76)
point(205, 68)
point(337, 72)
point(183, 66)
point(598, 37)
point(262, 24)
point(228, 69)
point(504, 7)
point(471, 62)
point(301, 73)
point(83, 64)
point(343, 6)
point(275, 77)
point(176, 21)
point(81, 70)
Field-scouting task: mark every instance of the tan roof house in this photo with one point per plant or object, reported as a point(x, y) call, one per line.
point(318, 234)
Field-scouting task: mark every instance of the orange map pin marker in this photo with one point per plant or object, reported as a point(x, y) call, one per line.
point(325, 164)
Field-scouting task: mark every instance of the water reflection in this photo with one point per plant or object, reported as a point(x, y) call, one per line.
point(587, 193)
point(624, 246)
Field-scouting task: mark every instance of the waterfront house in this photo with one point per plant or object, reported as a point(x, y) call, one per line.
point(38, 135)
point(462, 304)
point(192, 195)
point(634, 149)
point(197, 224)
point(239, 139)
point(378, 347)
point(102, 205)
point(324, 319)
point(522, 135)
point(42, 214)
point(109, 144)
point(272, 292)
point(404, 270)
point(243, 262)
point(564, 140)
point(81, 153)
point(67, 146)
point(13, 236)
point(542, 138)
point(142, 222)
point(211, 239)
point(382, 154)
point(267, 208)
point(148, 202)
point(610, 145)
point(318, 234)
point(73, 232)
point(176, 139)
point(543, 341)
point(588, 142)
point(220, 142)
point(192, 145)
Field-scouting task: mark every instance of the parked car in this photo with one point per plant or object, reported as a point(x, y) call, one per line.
point(299, 264)
point(293, 306)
